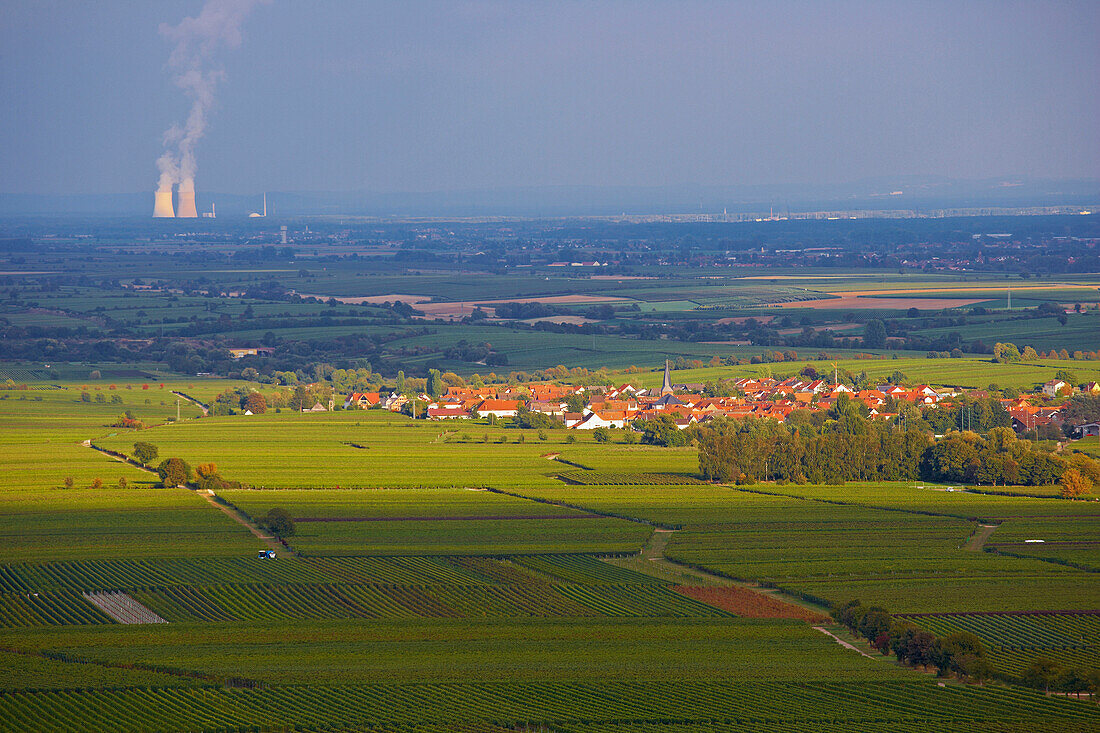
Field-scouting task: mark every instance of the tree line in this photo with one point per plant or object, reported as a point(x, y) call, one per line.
point(961, 654)
point(840, 445)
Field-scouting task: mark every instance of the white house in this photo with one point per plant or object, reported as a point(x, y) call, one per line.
point(1053, 387)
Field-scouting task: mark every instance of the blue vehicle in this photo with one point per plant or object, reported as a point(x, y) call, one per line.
point(266, 555)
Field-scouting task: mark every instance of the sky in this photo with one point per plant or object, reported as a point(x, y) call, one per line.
point(415, 96)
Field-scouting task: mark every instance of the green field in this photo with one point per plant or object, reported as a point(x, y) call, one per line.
point(442, 580)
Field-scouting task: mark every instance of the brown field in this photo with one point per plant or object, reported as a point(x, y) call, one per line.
point(747, 603)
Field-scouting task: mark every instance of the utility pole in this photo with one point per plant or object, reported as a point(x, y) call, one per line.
point(177, 409)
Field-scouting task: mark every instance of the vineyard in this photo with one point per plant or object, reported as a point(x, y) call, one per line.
point(622, 705)
point(1017, 639)
point(609, 478)
point(434, 607)
point(286, 601)
point(406, 570)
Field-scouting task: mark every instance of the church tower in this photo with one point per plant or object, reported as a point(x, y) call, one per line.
point(666, 388)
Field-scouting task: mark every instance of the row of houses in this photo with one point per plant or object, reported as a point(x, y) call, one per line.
point(588, 407)
point(618, 407)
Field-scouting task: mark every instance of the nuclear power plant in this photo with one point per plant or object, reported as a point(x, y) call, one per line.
point(162, 205)
point(187, 208)
point(163, 209)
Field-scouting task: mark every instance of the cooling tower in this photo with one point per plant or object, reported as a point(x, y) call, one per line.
point(162, 205)
point(187, 205)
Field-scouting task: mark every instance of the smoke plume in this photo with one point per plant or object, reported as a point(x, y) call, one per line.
point(197, 41)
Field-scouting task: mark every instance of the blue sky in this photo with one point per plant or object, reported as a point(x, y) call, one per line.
point(334, 95)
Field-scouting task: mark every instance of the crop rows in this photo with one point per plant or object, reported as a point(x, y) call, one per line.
point(1014, 662)
point(118, 574)
point(583, 569)
point(335, 601)
point(610, 478)
point(630, 705)
point(639, 600)
point(1017, 639)
point(91, 575)
point(48, 608)
point(1021, 631)
point(395, 570)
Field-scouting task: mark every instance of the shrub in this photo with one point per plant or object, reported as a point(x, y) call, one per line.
point(1074, 484)
point(278, 522)
point(174, 472)
point(145, 452)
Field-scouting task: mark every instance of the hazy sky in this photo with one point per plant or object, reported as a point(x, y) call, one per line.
point(427, 96)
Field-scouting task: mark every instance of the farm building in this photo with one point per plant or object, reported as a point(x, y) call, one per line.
point(499, 408)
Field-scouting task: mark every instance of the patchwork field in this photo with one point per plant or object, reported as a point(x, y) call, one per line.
point(442, 580)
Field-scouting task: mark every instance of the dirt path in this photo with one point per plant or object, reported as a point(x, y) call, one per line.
point(271, 542)
point(268, 540)
point(652, 561)
point(138, 466)
point(189, 398)
point(843, 643)
point(654, 548)
point(981, 534)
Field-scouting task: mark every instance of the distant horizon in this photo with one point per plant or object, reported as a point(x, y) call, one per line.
point(912, 192)
point(431, 96)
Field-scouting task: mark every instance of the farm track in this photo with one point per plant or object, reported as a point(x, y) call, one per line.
point(205, 409)
point(981, 534)
point(653, 552)
point(230, 512)
point(843, 643)
point(239, 518)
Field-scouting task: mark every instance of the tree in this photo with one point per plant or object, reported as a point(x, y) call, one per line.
point(174, 472)
point(662, 431)
point(255, 403)
point(206, 470)
point(97, 483)
point(1041, 674)
point(875, 622)
point(1074, 484)
point(1005, 353)
point(957, 650)
point(1030, 354)
point(69, 482)
point(435, 383)
point(145, 452)
point(575, 403)
point(601, 435)
point(1066, 376)
point(399, 387)
point(874, 334)
point(122, 482)
point(278, 522)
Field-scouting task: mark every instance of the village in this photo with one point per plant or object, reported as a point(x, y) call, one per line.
point(593, 407)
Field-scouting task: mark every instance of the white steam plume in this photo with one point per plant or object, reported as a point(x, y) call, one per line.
point(196, 41)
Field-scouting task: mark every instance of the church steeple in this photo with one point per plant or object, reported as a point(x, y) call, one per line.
point(666, 388)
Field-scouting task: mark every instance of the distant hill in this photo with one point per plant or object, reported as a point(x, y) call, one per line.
point(874, 194)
